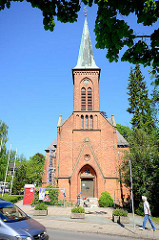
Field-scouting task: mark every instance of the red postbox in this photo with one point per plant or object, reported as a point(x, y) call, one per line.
point(29, 190)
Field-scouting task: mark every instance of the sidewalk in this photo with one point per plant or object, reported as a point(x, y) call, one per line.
point(97, 220)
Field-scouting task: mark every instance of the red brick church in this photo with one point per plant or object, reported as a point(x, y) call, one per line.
point(85, 156)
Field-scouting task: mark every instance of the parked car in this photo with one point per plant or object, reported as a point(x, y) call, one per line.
point(15, 224)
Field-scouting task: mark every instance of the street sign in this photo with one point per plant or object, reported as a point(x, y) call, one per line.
point(42, 193)
point(46, 199)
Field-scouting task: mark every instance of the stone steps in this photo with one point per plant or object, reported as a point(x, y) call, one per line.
point(90, 202)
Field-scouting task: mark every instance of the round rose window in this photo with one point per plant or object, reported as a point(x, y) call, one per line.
point(87, 157)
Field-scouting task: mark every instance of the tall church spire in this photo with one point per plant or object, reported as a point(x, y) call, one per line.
point(85, 56)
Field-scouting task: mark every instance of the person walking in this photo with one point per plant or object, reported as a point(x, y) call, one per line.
point(147, 214)
point(78, 200)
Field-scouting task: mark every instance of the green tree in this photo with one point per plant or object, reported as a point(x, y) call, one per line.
point(111, 26)
point(28, 172)
point(12, 154)
point(154, 196)
point(139, 102)
point(35, 168)
point(145, 163)
point(20, 178)
point(124, 131)
point(155, 103)
point(3, 157)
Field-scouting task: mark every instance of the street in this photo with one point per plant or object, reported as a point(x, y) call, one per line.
point(66, 235)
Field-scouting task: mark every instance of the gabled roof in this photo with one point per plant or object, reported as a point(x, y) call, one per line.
point(121, 141)
point(85, 56)
point(52, 145)
point(63, 121)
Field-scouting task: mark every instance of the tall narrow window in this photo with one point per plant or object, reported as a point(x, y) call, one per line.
point(82, 120)
point(89, 98)
point(50, 176)
point(83, 99)
point(86, 122)
point(91, 121)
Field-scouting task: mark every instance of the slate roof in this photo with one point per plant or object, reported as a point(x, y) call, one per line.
point(52, 145)
point(63, 121)
point(121, 141)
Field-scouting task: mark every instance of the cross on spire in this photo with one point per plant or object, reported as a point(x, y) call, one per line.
point(85, 11)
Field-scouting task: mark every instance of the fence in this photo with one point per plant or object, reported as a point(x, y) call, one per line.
point(51, 196)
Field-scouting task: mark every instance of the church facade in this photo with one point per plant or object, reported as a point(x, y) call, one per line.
point(86, 155)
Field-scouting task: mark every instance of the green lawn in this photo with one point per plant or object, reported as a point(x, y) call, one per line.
point(155, 219)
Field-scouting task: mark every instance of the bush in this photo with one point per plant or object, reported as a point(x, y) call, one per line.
point(12, 198)
point(120, 212)
point(105, 200)
point(67, 203)
point(77, 210)
point(53, 195)
point(41, 206)
point(36, 197)
point(139, 211)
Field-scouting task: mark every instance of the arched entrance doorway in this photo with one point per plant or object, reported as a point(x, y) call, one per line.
point(88, 181)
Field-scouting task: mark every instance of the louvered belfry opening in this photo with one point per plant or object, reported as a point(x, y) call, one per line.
point(89, 98)
point(83, 99)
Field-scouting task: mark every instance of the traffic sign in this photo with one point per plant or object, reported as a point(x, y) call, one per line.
point(46, 199)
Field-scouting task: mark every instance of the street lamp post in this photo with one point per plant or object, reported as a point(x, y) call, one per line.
point(6, 170)
point(131, 190)
point(13, 172)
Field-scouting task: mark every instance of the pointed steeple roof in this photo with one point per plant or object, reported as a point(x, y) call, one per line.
point(85, 56)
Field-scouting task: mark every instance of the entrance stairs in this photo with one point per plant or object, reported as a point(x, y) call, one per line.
point(90, 202)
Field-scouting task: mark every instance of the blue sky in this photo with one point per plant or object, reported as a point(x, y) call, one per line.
point(36, 83)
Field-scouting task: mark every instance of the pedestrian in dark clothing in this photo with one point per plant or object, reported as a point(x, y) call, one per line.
point(78, 200)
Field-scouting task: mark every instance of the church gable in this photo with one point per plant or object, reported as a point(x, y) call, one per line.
point(87, 150)
point(86, 157)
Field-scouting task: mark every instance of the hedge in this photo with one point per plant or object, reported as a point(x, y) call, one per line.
point(12, 198)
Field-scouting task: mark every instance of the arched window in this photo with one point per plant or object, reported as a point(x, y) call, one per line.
point(82, 120)
point(89, 98)
point(86, 122)
point(91, 121)
point(83, 99)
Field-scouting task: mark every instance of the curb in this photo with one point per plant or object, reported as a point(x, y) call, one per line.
point(114, 230)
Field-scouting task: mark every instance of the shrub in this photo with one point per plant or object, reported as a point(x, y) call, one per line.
point(41, 206)
point(36, 197)
point(139, 210)
point(12, 198)
point(53, 195)
point(120, 212)
point(77, 210)
point(67, 203)
point(105, 200)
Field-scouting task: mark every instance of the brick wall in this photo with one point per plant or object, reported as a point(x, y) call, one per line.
point(88, 141)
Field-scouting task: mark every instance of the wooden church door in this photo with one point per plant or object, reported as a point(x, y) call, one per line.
point(87, 187)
